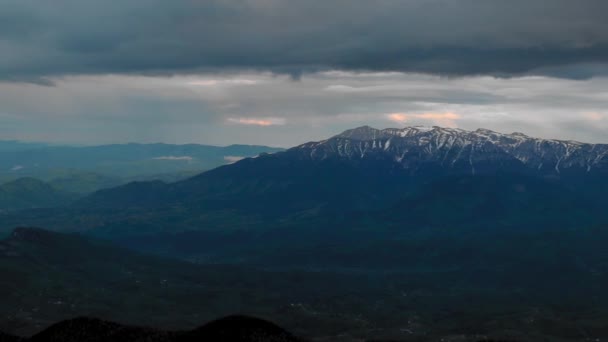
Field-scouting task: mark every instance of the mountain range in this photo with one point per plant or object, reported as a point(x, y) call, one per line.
point(367, 170)
point(84, 169)
point(366, 162)
point(419, 149)
point(451, 228)
point(361, 185)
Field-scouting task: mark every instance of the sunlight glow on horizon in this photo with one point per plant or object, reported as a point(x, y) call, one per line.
point(447, 119)
point(258, 121)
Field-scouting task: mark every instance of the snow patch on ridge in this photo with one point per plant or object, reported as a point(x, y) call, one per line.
point(451, 147)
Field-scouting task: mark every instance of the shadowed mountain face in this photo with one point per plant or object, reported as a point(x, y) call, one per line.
point(500, 200)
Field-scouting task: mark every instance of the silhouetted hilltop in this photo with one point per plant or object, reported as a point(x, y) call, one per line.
point(235, 328)
point(231, 328)
point(96, 330)
point(240, 328)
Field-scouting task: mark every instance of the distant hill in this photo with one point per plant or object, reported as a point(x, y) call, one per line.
point(81, 182)
point(90, 168)
point(28, 193)
point(14, 145)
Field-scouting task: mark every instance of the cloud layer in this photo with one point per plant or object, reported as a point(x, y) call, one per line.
point(282, 72)
point(45, 39)
point(277, 110)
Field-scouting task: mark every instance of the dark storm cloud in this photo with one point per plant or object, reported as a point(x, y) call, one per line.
point(563, 38)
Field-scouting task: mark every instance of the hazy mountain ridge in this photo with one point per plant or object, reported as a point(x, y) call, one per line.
point(28, 193)
point(85, 169)
point(100, 156)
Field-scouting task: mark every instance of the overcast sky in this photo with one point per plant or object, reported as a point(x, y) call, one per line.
point(283, 72)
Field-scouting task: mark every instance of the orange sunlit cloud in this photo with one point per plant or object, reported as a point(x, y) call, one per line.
point(258, 121)
point(447, 119)
point(594, 116)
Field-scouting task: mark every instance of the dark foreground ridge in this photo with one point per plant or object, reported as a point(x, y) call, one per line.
point(9, 338)
point(231, 328)
point(234, 328)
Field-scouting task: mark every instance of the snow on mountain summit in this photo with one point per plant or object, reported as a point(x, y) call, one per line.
point(417, 146)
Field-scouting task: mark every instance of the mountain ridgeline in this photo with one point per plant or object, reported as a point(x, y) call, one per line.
point(365, 168)
point(356, 189)
point(414, 234)
point(84, 169)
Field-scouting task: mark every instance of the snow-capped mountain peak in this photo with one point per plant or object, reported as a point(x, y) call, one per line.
point(482, 149)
